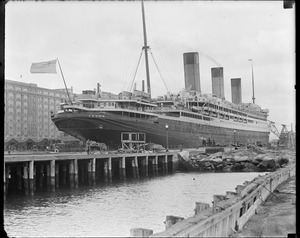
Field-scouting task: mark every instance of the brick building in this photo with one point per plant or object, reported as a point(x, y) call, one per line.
point(28, 114)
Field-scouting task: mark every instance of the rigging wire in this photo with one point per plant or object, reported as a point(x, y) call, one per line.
point(159, 71)
point(136, 70)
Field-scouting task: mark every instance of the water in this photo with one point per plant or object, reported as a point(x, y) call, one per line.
point(113, 209)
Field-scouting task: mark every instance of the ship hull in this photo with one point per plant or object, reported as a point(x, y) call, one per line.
point(107, 128)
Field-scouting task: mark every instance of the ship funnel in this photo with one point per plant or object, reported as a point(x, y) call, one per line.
point(236, 90)
point(217, 82)
point(191, 71)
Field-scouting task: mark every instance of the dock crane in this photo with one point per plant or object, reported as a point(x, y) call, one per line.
point(286, 138)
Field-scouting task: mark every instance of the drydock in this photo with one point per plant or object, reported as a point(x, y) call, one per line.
point(29, 173)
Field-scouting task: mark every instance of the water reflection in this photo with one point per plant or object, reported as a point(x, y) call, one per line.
point(113, 209)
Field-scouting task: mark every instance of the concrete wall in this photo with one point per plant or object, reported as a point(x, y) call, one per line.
point(191, 71)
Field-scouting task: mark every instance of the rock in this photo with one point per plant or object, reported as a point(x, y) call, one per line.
point(259, 157)
point(237, 167)
point(227, 168)
point(252, 167)
point(216, 155)
point(237, 158)
point(216, 160)
point(263, 165)
point(256, 161)
point(224, 163)
point(227, 157)
point(207, 164)
point(184, 155)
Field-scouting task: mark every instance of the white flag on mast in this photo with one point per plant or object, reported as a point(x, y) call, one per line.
point(44, 67)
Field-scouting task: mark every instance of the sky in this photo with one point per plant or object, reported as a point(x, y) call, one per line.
point(101, 42)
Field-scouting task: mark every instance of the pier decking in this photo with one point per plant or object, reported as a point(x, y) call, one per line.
point(27, 173)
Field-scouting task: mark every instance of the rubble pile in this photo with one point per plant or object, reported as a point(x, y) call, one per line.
point(237, 160)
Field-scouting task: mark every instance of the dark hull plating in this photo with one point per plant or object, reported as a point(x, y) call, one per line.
point(108, 130)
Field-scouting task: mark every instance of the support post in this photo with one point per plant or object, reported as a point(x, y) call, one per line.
point(153, 166)
point(133, 168)
point(41, 175)
point(56, 175)
point(25, 178)
point(156, 164)
point(200, 206)
point(48, 177)
point(109, 169)
point(34, 177)
point(94, 171)
point(90, 171)
point(166, 164)
point(239, 189)
point(75, 173)
point(146, 165)
point(171, 220)
point(140, 232)
point(81, 171)
point(136, 166)
point(4, 181)
point(31, 177)
point(52, 175)
point(124, 168)
point(106, 171)
point(19, 177)
point(71, 173)
point(64, 173)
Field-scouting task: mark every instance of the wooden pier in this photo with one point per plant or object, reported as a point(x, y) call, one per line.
point(29, 173)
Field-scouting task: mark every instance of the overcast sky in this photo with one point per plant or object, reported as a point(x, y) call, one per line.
point(101, 42)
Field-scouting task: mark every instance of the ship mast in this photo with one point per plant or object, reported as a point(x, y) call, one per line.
point(253, 98)
point(145, 47)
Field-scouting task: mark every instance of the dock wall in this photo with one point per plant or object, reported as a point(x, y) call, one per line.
point(228, 213)
point(27, 174)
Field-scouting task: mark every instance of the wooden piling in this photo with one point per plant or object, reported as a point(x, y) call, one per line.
point(4, 181)
point(239, 189)
point(105, 170)
point(124, 168)
point(156, 164)
point(64, 173)
point(110, 174)
point(165, 162)
point(89, 169)
point(133, 168)
point(81, 168)
point(94, 171)
point(75, 173)
point(200, 206)
point(41, 175)
point(52, 175)
point(230, 194)
point(171, 220)
point(56, 175)
point(34, 177)
point(31, 177)
point(140, 232)
point(146, 165)
point(136, 166)
point(25, 179)
point(71, 173)
point(48, 177)
point(153, 166)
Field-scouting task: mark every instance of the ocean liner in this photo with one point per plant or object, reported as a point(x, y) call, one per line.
point(189, 119)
